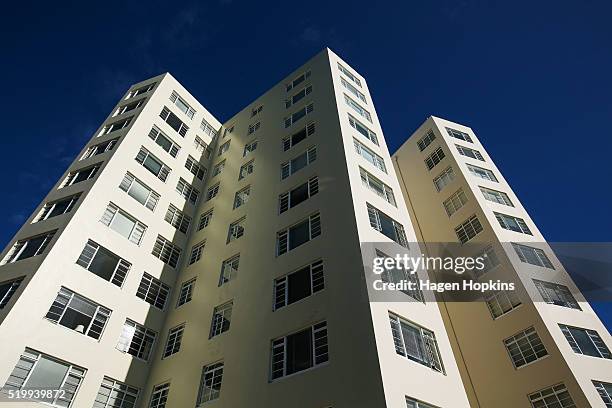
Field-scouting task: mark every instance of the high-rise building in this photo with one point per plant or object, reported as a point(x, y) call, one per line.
point(541, 343)
point(182, 262)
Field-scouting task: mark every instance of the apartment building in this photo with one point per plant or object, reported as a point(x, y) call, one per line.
point(541, 344)
point(181, 262)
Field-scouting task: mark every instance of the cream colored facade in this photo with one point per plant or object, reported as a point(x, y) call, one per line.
point(353, 361)
point(320, 344)
point(489, 375)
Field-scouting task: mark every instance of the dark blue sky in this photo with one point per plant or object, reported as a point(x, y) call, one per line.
point(533, 79)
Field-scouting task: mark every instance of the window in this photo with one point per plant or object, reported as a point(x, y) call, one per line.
point(128, 107)
point(353, 90)
point(426, 140)
point(512, 223)
point(166, 251)
point(40, 371)
point(212, 192)
point(223, 148)
point(229, 269)
point(153, 291)
point(501, 302)
point(177, 219)
point(298, 96)
point(115, 394)
point(205, 219)
point(482, 173)
point(298, 80)
point(299, 351)
point(299, 284)
point(398, 276)
point(8, 289)
point(434, 158)
point(196, 252)
point(256, 110)
point(552, 397)
point(218, 168)
point(496, 196)
point(377, 186)
point(173, 342)
point(139, 191)
point(123, 223)
point(153, 164)
point(200, 145)
point(471, 153)
point(297, 115)
point(228, 130)
point(186, 292)
point(349, 75)
point(444, 178)
point(525, 347)
point(159, 396)
point(78, 313)
point(187, 191)
point(29, 247)
point(140, 91)
point(531, 255)
point(605, 391)
point(222, 315)
point(490, 261)
point(164, 141)
point(83, 174)
point(363, 129)
point(210, 383)
point(115, 126)
point(99, 149)
point(298, 234)
point(290, 141)
point(207, 129)
point(254, 127)
point(236, 230)
point(182, 105)
point(387, 226)
point(249, 148)
point(556, 294)
point(298, 194)
point(358, 108)
point(57, 207)
point(369, 155)
point(453, 203)
point(468, 229)
point(174, 122)
point(412, 403)
point(246, 169)
point(136, 339)
point(104, 263)
point(195, 168)
point(459, 135)
point(299, 162)
point(416, 343)
point(242, 196)
point(585, 341)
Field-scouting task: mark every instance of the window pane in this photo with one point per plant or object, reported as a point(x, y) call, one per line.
point(299, 285)
point(299, 351)
point(298, 235)
point(122, 224)
point(152, 165)
point(139, 192)
point(585, 343)
point(48, 374)
point(104, 263)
